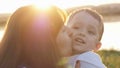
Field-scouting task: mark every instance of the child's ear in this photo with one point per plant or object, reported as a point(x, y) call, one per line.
point(98, 45)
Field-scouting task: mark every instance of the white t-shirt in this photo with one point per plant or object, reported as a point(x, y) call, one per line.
point(87, 60)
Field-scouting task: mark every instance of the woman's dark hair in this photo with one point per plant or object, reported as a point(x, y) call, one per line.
point(27, 43)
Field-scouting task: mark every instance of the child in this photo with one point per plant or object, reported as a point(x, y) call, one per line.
point(82, 34)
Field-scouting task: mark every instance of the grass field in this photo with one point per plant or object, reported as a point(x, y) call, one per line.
point(110, 58)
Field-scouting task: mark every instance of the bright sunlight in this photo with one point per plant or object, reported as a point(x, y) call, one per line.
point(11, 6)
point(110, 50)
point(8, 6)
point(43, 5)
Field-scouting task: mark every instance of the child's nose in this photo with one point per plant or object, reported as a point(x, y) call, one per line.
point(81, 34)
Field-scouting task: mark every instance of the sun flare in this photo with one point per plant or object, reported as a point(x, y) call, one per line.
point(9, 6)
point(43, 5)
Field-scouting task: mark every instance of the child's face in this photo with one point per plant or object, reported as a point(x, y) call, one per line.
point(85, 32)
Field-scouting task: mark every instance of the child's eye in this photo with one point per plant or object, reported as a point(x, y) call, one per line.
point(91, 32)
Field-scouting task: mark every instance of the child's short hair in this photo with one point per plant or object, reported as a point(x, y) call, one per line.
point(92, 12)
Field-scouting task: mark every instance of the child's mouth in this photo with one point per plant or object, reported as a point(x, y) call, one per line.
point(79, 40)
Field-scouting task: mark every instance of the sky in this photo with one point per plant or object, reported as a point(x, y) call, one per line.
point(111, 34)
point(7, 6)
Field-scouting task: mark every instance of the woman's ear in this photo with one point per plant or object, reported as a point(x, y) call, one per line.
point(98, 45)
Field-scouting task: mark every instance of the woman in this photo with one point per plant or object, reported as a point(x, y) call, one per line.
point(29, 37)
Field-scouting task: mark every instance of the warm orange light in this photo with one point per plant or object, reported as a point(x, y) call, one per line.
point(43, 5)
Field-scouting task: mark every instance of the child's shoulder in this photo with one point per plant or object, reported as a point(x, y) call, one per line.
point(88, 55)
point(91, 58)
point(88, 58)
